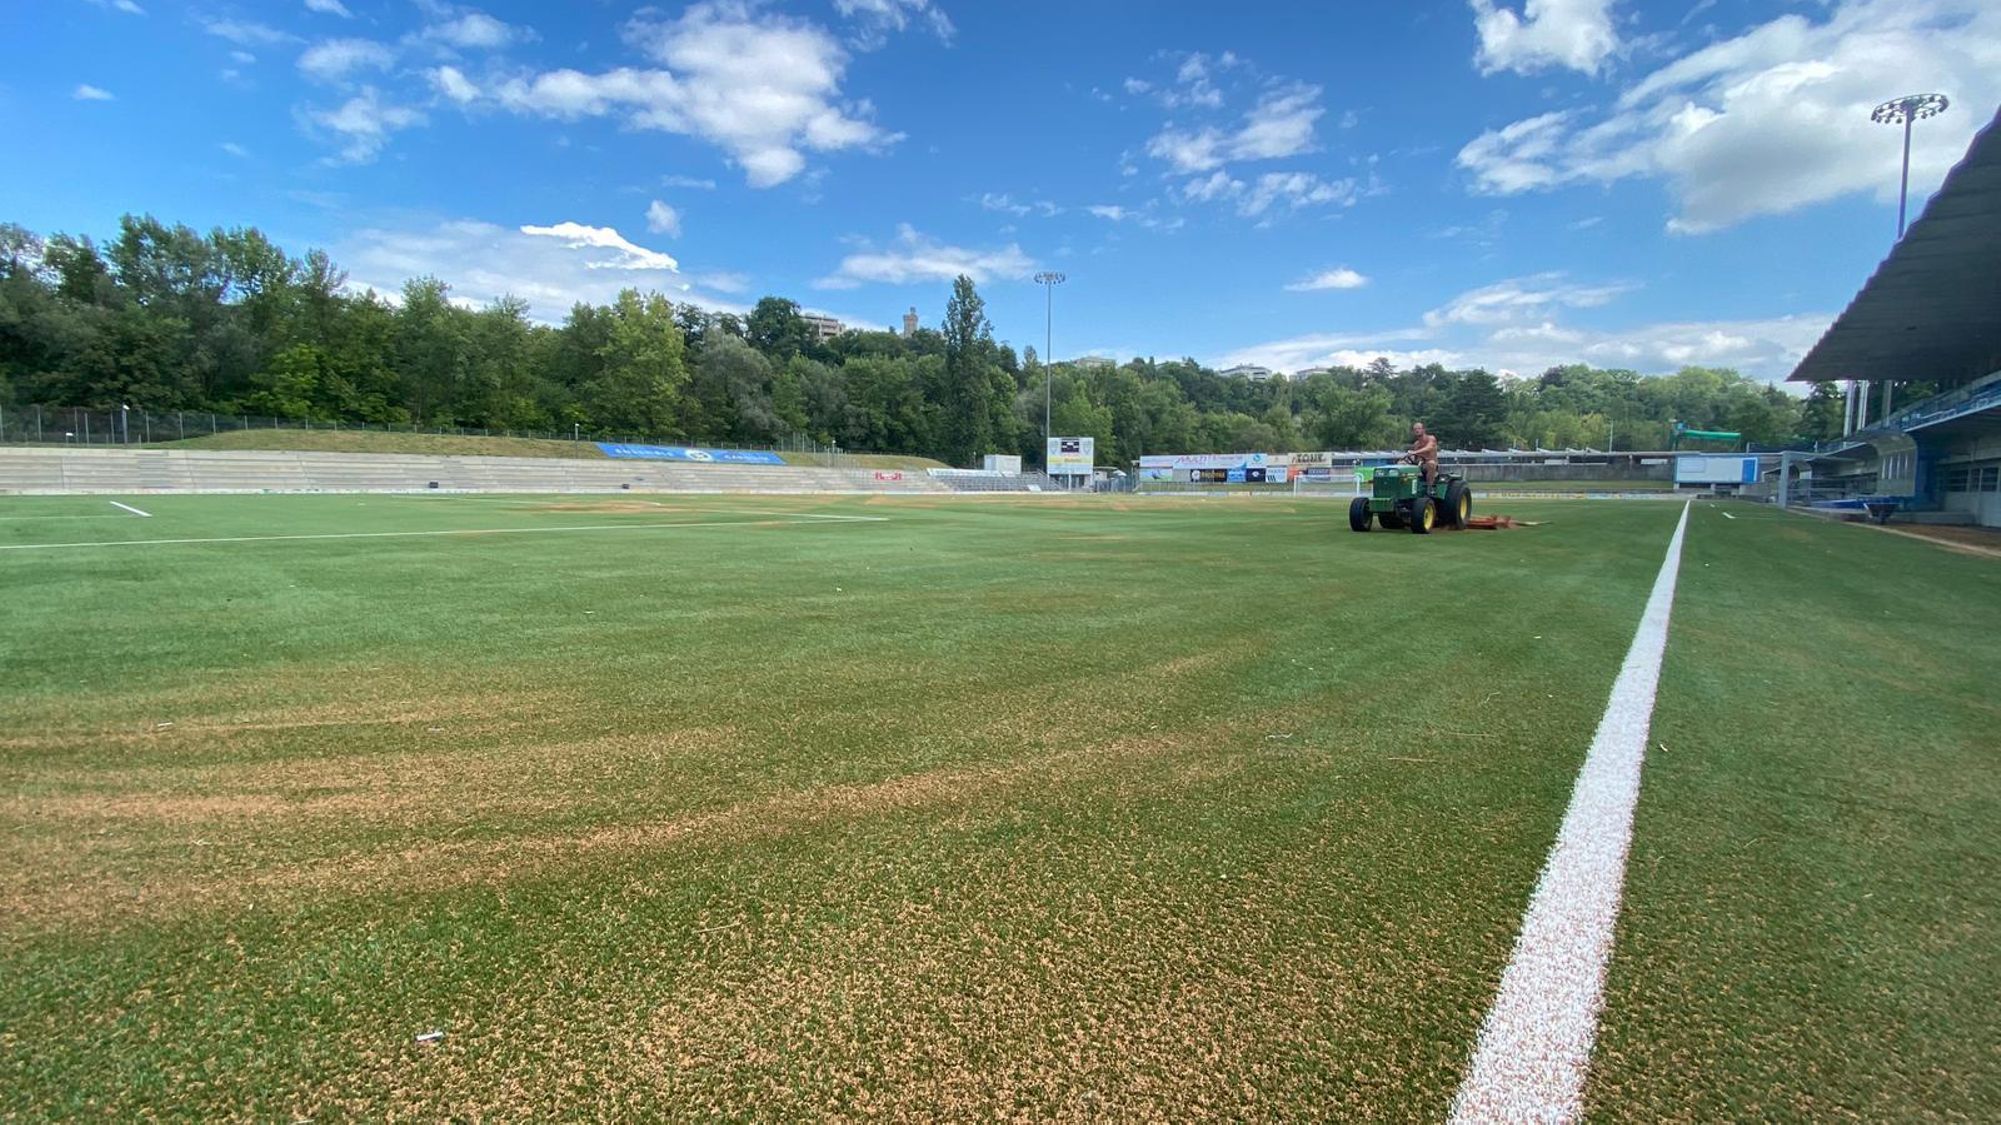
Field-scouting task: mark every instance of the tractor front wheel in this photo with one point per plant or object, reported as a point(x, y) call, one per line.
point(1358, 514)
point(1423, 514)
point(1458, 504)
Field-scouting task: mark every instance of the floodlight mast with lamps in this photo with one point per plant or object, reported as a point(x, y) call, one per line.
point(1903, 111)
point(1049, 280)
point(1897, 111)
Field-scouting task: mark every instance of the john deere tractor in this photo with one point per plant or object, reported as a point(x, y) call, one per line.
point(1400, 500)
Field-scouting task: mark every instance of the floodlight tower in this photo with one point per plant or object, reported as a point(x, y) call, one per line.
point(1903, 111)
point(1049, 280)
point(1899, 111)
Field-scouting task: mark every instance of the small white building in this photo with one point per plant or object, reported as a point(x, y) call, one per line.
point(1251, 371)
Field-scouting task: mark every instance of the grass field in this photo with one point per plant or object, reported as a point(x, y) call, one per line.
point(466, 445)
point(783, 807)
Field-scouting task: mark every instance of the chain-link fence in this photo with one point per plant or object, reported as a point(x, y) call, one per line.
point(67, 425)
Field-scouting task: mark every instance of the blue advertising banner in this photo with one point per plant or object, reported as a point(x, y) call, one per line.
point(686, 453)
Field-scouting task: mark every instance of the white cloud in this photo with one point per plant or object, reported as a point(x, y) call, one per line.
point(242, 58)
point(695, 182)
point(623, 255)
point(451, 83)
point(916, 257)
point(723, 281)
point(234, 149)
point(1281, 124)
point(1575, 34)
point(663, 219)
point(1293, 191)
point(471, 29)
point(1516, 325)
point(552, 269)
point(129, 7)
point(362, 124)
point(1341, 277)
point(761, 85)
point(1523, 298)
point(245, 33)
point(1772, 120)
point(85, 92)
point(876, 19)
point(332, 60)
point(1110, 211)
point(1007, 204)
point(1208, 189)
point(329, 8)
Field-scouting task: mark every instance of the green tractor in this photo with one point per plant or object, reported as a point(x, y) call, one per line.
point(1399, 500)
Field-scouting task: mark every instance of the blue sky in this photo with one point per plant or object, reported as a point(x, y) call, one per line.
point(1607, 181)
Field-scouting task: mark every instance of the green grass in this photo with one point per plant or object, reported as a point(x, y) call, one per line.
point(464, 445)
point(1013, 808)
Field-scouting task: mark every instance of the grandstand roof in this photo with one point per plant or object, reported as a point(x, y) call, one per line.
point(1929, 312)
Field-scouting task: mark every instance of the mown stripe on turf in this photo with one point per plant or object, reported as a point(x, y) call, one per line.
point(1534, 1049)
point(424, 534)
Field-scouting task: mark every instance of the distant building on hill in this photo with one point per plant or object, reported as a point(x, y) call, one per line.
point(1094, 361)
point(910, 322)
point(1251, 371)
point(824, 327)
point(1310, 372)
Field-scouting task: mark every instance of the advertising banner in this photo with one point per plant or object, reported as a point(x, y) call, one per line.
point(1071, 456)
point(687, 453)
point(1697, 468)
point(1204, 461)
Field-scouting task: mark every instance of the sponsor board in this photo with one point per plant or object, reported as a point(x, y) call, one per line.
point(690, 453)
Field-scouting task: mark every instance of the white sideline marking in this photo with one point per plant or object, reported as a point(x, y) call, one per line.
point(131, 509)
point(1535, 1047)
point(421, 534)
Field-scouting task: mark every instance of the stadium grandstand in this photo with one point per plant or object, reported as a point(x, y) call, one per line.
point(1929, 317)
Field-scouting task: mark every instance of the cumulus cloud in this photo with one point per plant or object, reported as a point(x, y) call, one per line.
point(1524, 298)
point(620, 254)
point(1280, 125)
point(552, 268)
point(85, 92)
point(361, 125)
point(1772, 120)
point(917, 257)
point(334, 59)
point(876, 19)
point(762, 86)
point(1574, 34)
point(663, 219)
point(1517, 325)
point(469, 29)
point(696, 182)
point(453, 85)
point(329, 8)
point(1341, 277)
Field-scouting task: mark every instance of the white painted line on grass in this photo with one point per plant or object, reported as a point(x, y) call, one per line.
point(1535, 1047)
point(131, 509)
point(423, 534)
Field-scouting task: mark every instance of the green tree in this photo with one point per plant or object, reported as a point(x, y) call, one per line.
point(639, 386)
point(968, 393)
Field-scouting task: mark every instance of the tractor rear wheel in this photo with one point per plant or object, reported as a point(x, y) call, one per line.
point(1358, 514)
point(1423, 513)
point(1458, 504)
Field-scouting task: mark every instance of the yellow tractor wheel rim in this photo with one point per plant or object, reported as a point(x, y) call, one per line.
point(1428, 517)
point(1465, 506)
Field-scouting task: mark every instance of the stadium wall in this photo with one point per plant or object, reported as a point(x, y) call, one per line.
point(61, 470)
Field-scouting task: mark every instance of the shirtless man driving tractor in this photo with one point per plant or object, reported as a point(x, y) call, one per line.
point(1423, 451)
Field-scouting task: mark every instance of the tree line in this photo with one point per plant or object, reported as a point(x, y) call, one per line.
point(169, 318)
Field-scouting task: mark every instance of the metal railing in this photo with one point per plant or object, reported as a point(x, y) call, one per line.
point(69, 425)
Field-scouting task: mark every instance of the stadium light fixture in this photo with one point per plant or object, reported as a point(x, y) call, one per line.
point(1903, 111)
point(1049, 280)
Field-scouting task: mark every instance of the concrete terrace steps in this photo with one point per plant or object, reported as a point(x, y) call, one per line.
point(58, 469)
